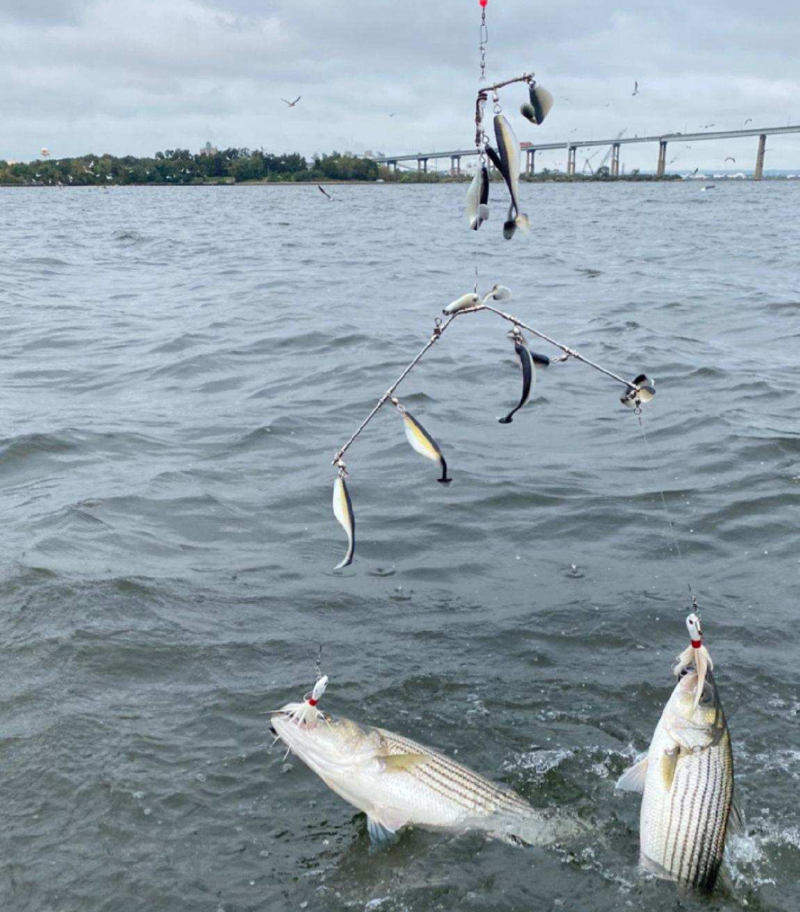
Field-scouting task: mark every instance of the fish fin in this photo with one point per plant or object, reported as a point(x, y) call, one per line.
point(483, 212)
point(736, 821)
point(522, 222)
point(507, 420)
point(348, 559)
point(632, 780)
point(668, 764)
point(379, 835)
point(403, 763)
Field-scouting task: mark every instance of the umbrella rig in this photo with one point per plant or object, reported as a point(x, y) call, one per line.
point(638, 391)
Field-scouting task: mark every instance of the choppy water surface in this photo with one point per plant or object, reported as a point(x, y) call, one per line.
point(179, 367)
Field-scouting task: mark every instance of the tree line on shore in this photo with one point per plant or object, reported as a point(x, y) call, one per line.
point(180, 166)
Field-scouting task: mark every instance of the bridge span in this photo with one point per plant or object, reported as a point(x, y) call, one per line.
point(571, 146)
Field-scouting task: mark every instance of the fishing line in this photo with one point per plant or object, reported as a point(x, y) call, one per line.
point(667, 513)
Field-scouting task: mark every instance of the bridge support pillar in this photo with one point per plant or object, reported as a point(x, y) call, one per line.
point(531, 153)
point(571, 154)
point(758, 174)
point(455, 165)
point(662, 158)
point(615, 160)
point(422, 165)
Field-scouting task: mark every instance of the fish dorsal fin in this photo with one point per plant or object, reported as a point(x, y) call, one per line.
point(632, 780)
point(403, 763)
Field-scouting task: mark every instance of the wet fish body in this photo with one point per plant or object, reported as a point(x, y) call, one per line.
point(687, 784)
point(396, 781)
point(528, 377)
point(478, 198)
point(343, 511)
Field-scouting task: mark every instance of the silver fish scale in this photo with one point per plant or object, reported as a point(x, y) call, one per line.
point(455, 782)
point(699, 807)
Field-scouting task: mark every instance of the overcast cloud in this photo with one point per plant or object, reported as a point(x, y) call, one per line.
point(139, 76)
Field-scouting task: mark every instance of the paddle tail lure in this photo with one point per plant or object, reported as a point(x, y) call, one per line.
point(422, 442)
point(528, 368)
point(343, 511)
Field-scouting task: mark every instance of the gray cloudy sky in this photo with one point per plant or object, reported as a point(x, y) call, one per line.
point(97, 76)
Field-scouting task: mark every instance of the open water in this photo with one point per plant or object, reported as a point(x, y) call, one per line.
point(179, 367)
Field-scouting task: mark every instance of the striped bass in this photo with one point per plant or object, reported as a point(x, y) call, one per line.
point(687, 780)
point(396, 781)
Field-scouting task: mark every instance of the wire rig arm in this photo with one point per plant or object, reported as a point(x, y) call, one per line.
point(636, 392)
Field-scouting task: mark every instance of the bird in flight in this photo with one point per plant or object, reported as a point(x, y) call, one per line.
point(730, 158)
point(706, 126)
point(749, 120)
point(322, 190)
point(635, 88)
point(291, 104)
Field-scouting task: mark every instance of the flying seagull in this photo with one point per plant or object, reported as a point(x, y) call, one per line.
point(635, 88)
point(706, 126)
point(730, 158)
point(291, 103)
point(322, 190)
point(749, 120)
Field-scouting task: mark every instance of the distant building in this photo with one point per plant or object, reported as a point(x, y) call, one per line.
point(208, 149)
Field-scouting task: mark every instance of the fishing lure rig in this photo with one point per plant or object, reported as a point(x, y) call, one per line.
point(637, 392)
point(506, 157)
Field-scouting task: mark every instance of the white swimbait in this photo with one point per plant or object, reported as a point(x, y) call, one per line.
point(478, 198)
point(422, 442)
point(343, 511)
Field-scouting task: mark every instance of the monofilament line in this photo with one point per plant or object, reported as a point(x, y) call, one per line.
point(667, 512)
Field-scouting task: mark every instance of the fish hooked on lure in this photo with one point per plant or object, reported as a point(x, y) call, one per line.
point(398, 782)
point(528, 367)
point(686, 779)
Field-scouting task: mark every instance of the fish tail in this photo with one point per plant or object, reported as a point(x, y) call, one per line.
point(522, 221)
point(507, 420)
point(444, 479)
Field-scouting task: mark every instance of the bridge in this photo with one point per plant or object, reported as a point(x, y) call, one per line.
point(572, 146)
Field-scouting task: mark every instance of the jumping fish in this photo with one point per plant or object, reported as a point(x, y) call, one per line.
point(478, 198)
point(509, 156)
point(528, 374)
point(422, 442)
point(398, 782)
point(343, 511)
point(541, 101)
point(642, 389)
point(686, 779)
